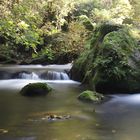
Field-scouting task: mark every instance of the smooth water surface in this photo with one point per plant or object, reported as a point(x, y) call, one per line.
point(23, 119)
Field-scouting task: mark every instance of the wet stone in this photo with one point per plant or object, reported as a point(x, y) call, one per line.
point(58, 117)
point(3, 131)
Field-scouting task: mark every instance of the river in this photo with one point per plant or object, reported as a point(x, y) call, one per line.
point(21, 118)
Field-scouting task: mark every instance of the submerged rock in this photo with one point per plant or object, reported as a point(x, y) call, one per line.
point(3, 131)
point(53, 117)
point(49, 116)
point(35, 89)
point(91, 96)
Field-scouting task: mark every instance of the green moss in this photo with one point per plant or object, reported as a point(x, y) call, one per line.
point(91, 96)
point(35, 89)
point(113, 56)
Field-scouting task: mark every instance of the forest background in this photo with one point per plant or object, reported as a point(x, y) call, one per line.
point(57, 31)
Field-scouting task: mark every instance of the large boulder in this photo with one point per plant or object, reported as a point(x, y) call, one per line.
point(35, 89)
point(112, 62)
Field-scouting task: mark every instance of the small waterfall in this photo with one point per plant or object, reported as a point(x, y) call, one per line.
point(32, 75)
point(49, 75)
point(54, 75)
point(16, 77)
point(64, 76)
point(49, 72)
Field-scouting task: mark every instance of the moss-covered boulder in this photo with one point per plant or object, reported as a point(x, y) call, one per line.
point(35, 89)
point(112, 63)
point(91, 96)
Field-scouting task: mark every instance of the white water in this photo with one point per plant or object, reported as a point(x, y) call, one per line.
point(36, 67)
point(19, 83)
point(32, 75)
point(54, 75)
point(116, 119)
point(127, 98)
point(33, 72)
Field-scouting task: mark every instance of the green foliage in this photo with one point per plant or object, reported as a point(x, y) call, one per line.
point(25, 24)
point(47, 51)
point(86, 22)
point(114, 54)
point(110, 57)
point(71, 41)
point(38, 27)
point(17, 34)
point(57, 11)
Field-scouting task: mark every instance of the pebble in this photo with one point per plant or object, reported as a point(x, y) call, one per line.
point(3, 131)
point(113, 131)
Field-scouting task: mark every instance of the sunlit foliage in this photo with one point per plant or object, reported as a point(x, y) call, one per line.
point(32, 26)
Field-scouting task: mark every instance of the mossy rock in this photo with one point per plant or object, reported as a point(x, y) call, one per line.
point(91, 96)
point(35, 89)
point(112, 62)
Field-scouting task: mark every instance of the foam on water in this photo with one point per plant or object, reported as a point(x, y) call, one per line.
point(19, 83)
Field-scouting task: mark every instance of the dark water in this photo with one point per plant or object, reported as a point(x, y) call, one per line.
point(22, 117)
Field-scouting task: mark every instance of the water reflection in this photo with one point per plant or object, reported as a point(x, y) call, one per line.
point(117, 119)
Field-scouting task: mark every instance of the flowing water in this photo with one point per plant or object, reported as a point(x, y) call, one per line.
point(22, 118)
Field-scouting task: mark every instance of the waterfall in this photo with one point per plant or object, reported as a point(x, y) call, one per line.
point(54, 75)
point(32, 75)
point(49, 75)
point(16, 76)
point(65, 76)
point(49, 72)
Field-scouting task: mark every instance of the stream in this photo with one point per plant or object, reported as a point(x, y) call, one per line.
point(22, 118)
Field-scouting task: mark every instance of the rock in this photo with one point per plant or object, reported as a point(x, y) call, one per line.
point(3, 131)
point(54, 117)
point(59, 117)
point(112, 62)
point(66, 116)
point(50, 116)
point(35, 89)
point(91, 96)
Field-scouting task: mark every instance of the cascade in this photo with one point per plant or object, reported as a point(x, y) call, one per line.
point(50, 72)
point(54, 75)
point(49, 75)
point(32, 75)
point(16, 76)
